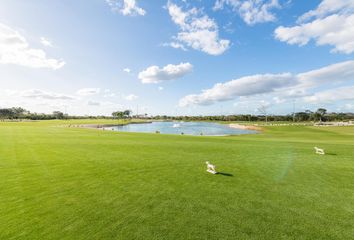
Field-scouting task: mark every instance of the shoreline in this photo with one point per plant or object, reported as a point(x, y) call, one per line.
point(102, 126)
point(245, 127)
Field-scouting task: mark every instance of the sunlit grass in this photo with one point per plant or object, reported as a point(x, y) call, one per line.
point(73, 183)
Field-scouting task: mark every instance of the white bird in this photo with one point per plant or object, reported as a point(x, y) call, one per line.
point(210, 168)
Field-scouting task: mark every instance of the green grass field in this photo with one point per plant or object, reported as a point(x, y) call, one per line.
point(74, 183)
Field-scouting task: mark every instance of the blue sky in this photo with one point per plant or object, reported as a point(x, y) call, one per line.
point(177, 57)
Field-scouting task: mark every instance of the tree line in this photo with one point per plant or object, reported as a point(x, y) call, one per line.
point(321, 114)
point(18, 113)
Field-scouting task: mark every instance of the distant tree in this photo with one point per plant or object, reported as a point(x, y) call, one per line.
point(58, 115)
point(340, 116)
point(19, 112)
point(302, 116)
point(118, 114)
point(320, 113)
point(122, 114)
point(6, 113)
point(127, 113)
point(263, 109)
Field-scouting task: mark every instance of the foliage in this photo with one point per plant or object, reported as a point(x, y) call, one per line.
point(299, 117)
point(58, 115)
point(122, 114)
point(320, 115)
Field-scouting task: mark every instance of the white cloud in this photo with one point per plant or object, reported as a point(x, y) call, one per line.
point(251, 11)
point(14, 49)
point(127, 70)
point(154, 74)
point(93, 103)
point(335, 73)
point(330, 24)
point(333, 95)
point(41, 101)
point(45, 42)
point(108, 93)
point(88, 91)
point(245, 86)
point(126, 7)
point(131, 97)
point(39, 94)
point(285, 84)
point(160, 88)
point(175, 45)
point(331, 75)
point(349, 106)
point(264, 104)
point(197, 31)
point(278, 100)
point(250, 103)
point(327, 7)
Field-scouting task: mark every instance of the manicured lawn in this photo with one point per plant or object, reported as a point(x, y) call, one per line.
point(72, 183)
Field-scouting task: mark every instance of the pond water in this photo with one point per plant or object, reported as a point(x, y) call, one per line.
point(188, 128)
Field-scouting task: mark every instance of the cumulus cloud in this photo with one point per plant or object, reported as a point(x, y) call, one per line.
point(335, 73)
point(14, 49)
point(245, 86)
point(45, 42)
point(155, 74)
point(39, 94)
point(294, 85)
point(332, 95)
point(327, 7)
point(175, 45)
point(88, 91)
point(131, 97)
point(331, 23)
point(126, 7)
point(197, 31)
point(251, 11)
point(127, 70)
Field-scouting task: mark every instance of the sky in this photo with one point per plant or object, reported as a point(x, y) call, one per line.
point(177, 57)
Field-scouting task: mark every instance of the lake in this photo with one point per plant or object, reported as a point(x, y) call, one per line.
point(188, 128)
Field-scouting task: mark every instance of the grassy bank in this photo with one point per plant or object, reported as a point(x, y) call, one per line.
point(75, 183)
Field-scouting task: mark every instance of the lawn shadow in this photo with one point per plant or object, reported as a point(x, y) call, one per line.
point(225, 174)
point(331, 154)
